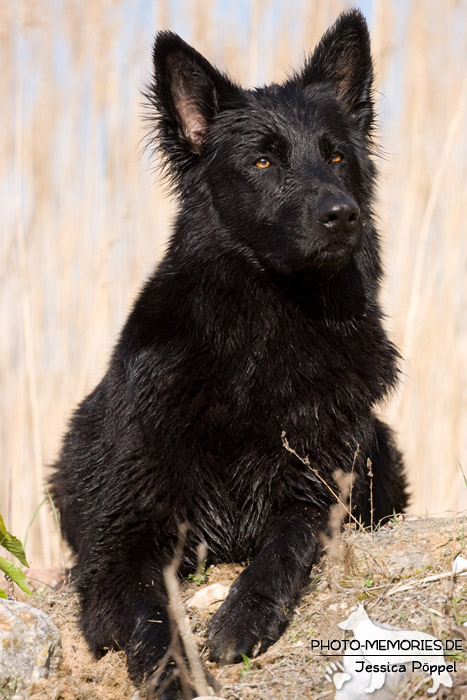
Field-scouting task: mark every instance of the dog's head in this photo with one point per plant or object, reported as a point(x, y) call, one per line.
point(287, 168)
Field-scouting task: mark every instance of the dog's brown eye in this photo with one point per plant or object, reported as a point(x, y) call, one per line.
point(336, 157)
point(263, 162)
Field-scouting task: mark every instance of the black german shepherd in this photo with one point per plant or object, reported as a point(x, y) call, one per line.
point(263, 318)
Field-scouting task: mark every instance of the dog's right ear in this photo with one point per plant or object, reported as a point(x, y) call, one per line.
point(187, 92)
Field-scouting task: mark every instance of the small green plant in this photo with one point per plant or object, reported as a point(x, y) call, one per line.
point(463, 474)
point(402, 616)
point(202, 575)
point(455, 656)
point(14, 547)
point(460, 619)
point(369, 581)
point(8, 694)
point(246, 665)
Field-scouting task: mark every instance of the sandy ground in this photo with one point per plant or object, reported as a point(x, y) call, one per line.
point(403, 574)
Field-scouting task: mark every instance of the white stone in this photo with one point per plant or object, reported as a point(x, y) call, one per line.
point(208, 595)
point(29, 647)
point(459, 565)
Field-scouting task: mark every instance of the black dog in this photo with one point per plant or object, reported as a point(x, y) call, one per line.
point(263, 318)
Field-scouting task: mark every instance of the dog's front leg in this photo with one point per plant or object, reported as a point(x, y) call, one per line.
point(262, 599)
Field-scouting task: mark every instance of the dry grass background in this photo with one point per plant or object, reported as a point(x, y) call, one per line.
point(83, 220)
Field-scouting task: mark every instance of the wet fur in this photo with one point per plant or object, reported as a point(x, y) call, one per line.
point(251, 326)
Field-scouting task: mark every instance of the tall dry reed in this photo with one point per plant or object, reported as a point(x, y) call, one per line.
point(83, 219)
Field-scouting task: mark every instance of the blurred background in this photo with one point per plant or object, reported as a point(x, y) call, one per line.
point(85, 217)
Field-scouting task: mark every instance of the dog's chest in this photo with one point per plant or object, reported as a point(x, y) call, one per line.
point(300, 374)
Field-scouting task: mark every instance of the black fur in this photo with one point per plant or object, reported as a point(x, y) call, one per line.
point(263, 317)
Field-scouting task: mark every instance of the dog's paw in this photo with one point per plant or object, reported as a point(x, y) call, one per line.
point(244, 626)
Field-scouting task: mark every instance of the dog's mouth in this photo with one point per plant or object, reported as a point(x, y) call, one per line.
point(338, 252)
point(338, 248)
point(331, 255)
point(329, 259)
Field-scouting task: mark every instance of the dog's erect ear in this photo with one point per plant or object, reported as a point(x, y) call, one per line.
point(187, 92)
point(343, 59)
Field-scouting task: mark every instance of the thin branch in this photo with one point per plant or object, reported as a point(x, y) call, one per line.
point(306, 461)
point(178, 611)
point(421, 582)
point(370, 474)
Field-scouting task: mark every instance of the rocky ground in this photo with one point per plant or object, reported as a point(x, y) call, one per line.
point(402, 573)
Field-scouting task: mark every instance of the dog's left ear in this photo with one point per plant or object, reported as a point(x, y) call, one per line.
point(343, 60)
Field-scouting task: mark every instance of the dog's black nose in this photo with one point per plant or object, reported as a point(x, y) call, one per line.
point(338, 213)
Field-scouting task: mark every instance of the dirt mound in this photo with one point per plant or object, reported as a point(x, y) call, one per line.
point(403, 574)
